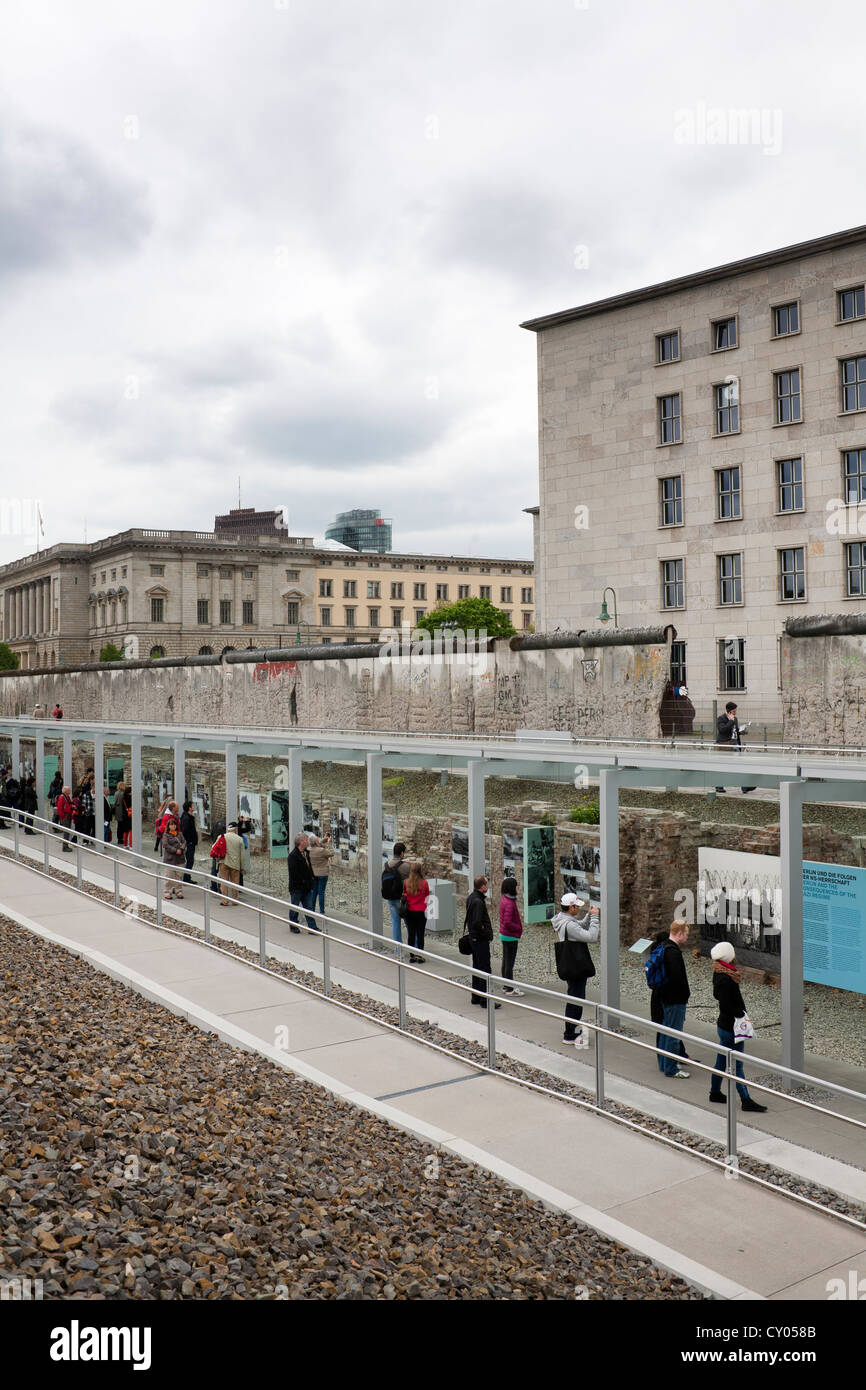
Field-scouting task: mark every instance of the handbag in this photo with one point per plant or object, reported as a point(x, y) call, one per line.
point(573, 961)
point(403, 909)
point(743, 1027)
point(464, 945)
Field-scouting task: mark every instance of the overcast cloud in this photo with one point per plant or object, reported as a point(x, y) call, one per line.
point(293, 242)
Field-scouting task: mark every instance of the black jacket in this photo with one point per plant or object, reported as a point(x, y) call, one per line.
point(731, 1006)
point(301, 876)
point(727, 730)
point(478, 923)
point(29, 799)
point(187, 828)
point(675, 989)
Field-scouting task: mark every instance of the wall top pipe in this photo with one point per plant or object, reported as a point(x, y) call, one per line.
point(827, 625)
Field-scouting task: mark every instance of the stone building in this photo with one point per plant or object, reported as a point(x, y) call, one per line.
point(702, 451)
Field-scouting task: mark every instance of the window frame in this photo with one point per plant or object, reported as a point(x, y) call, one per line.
point(202, 607)
point(855, 290)
point(733, 409)
point(777, 398)
point(780, 573)
point(659, 339)
point(674, 419)
point(775, 309)
point(676, 500)
point(735, 579)
point(248, 606)
point(846, 477)
point(225, 609)
point(724, 663)
point(859, 383)
point(717, 323)
point(777, 465)
point(738, 491)
point(677, 583)
point(157, 608)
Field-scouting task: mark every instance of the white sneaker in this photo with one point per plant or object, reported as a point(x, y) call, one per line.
point(582, 1039)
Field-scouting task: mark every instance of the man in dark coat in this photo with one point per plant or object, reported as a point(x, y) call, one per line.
point(301, 881)
point(480, 932)
point(728, 734)
point(190, 834)
point(668, 1002)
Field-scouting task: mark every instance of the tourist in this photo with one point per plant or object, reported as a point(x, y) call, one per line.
point(301, 879)
point(232, 863)
point(29, 804)
point(321, 854)
point(394, 876)
point(510, 931)
point(57, 712)
point(127, 817)
point(56, 787)
point(219, 833)
point(64, 817)
point(670, 994)
point(726, 989)
point(416, 891)
point(85, 796)
point(120, 813)
point(480, 931)
point(173, 856)
point(728, 734)
point(575, 924)
point(107, 813)
point(190, 834)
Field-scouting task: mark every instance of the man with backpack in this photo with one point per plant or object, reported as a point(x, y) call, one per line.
point(394, 875)
point(666, 976)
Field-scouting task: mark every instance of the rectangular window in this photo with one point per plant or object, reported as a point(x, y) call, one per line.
point(855, 569)
point(225, 610)
point(786, 319)
point(324, 617)
point(350, 617)
point(293, 611)
point(419, 614)
point(463, 590)
point(678, 663)
point(789, 481)
point(202, 611)
point(732, 663)
point(854, 475)
point(730, 579)
point(724, 334)
point(525, 595)
point(484, 591)
point(667, 347)
point(396, 617)
point(788, 398)
point(293, 574)
point(420, 591)
point(154, 569)
point(374, 588)
point(325, 588)
point(350, 588)
point(727, 397)
point(671, 501)
point(670, 419)
point(156, 610)
point(373, 617)
point(852, 303)
point(396, 590)
point(728, 494)
point(853, 383)
point(441, 592)
point(247, 610)
point(792, 574)
point(203, 571)
point(123, 572)
point(113, 575)
point(673, 584)
point(527, 621)
point(226, 571)
point(248, 574)
point(505, 594)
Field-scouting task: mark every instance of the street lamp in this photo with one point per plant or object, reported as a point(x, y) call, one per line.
point(604, 616)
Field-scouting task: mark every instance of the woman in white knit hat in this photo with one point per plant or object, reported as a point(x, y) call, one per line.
point(726, 988)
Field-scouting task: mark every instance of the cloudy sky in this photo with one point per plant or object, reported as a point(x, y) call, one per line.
point(293, 241)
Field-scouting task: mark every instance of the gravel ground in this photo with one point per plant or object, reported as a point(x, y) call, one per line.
point(143, 1159)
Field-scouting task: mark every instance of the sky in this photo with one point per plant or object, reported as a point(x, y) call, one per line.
point(293, 242)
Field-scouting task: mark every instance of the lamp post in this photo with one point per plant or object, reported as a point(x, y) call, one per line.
point(604, 616)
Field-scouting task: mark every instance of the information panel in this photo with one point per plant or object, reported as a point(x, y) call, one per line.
point(834, 925)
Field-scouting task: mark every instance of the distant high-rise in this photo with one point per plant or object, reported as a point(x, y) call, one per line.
point(361, 530)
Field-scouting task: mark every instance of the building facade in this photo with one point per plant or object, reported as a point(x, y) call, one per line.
point(702, 452)
point(361, 530)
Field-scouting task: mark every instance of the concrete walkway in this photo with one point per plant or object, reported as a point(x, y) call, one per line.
point(731, 1238)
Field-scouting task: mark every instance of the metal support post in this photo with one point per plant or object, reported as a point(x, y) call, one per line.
point(401, 994)
point(16, 754)
point(375, 763)
point(42, 806)
point(791, 796)
point(732, 1160)
point(179, 773)
point(491, 1023)
point(16, 833)
point(78, 873)
point(158, 882)
point(263, 955)
point(609, 853)
point(296, 790)
point(46, 851)
point(231, 783)
point(475, 773)
point(67, 759)
point(116, 867)
point(135, 759)
point(599, 1067)
point(207, 914)
point(326, 960)
point(99, 791)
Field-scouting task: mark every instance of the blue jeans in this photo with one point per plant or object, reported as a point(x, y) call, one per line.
point(319, 887)
point(674, 1017)
point(303, 900)
point(396, 920)
point(727, 1040)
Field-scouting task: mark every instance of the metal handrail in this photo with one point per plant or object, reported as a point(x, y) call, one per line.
point(120, 854)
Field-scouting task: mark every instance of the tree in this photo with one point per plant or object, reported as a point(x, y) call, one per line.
point(8, 659)
point(111, 653)
point(469, 613)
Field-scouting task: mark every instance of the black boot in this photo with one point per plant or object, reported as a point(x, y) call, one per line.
point(753, 1105)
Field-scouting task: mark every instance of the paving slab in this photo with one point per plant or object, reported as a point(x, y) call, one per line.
point(310, 1027)
point(386, 1063)
point(851, 1272)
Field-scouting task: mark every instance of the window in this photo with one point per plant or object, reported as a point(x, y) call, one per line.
point(484, 569)
point(205, 651)
point(293, 611)
point(730, 579)
point(350, 587)
point(855, 569)
point(463, 590)
point(156, 610)
point(373, 617)
point(419, 614)
point(420, 591)
point(443, 569)
point(247, 611)
point(441, 591)
point(505, 594)
point(93, 579)
point(853, 383)
point(728, 494)
point(156, 653)
point(789, 480)
point(852, 303)
point(527, 621)
point(788, 406)
point(678, 663)
point(374, 588)
point(670, 419)
point(248, 574)
point(732, 663)
point(396, 590)
point(673, 584)
point(525, 595)
point(225, 610)
point(671, 501)
point(325, 588)
point(293, 574)
point(114, 574)
point(154, 569)
point(226, 571)
point(505, 569)
point(727, 398)
point(202, 571)
point(123, 572)
point(724, 334)
point(854, 470)
point(484, 591)
point(667, 347)
point(786, 319)
point(792, 574)
point(349, 564)
point(398, 565)
point(396, 617)
point(325, 617)
point(350, 617)
point(202, 611)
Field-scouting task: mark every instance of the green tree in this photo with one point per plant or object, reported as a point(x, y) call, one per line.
point(111, 653)
point(8, 659)
point(466, 613)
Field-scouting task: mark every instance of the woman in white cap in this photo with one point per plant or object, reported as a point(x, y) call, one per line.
point(726, 988)
point(578, 923)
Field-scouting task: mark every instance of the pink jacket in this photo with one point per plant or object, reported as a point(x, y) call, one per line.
point(509, 917)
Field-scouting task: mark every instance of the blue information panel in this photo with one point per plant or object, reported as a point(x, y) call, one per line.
point(834, 926)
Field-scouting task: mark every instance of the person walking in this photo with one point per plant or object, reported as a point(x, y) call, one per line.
point(173, 856)
point(394, 876)
point(127, 817)
point(56, 788)
point(301, 878)
point(120, 812)
point(729, 733)
point(190, 834)
point(733, 1024)
point(107, 813)
point(217, 850)
point(666, 975)
point(510, 931)
point(480, 932)
point(29, 804)
point(57, 712)
point(321, 854)
point(416, 891)
point(64, 817)
point(232, 864)
point(575, 925)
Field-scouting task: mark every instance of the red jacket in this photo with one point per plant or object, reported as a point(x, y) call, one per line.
point(63, 807)
point(418, 901)
point(509, 918)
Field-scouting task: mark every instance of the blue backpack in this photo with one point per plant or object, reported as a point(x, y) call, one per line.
point(654, 967)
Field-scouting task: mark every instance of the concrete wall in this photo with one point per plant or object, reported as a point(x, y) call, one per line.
point(824, 690)
point(610, 692)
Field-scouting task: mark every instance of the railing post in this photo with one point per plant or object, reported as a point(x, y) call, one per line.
point(491, 1024)
point(401, 993)
point(17, 835)
point(207, 914)
point(117, 883)
point(326, 959)
point(262, 952)
point(159, 893)
point(599, 1066)
point(46, 854)
point(78, 874)
point(732, 1162)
